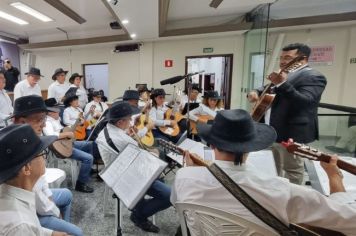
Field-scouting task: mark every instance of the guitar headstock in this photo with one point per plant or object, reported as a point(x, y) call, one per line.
point(305, 151)
point(168, 146)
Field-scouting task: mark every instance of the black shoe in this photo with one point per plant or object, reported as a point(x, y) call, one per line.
point(145, 225)
point(93, 171)
point(336, 149)
point(83, 188)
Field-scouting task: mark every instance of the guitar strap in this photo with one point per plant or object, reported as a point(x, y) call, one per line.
point(109, 140)
point(252, 205)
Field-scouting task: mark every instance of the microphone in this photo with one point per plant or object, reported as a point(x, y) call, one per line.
point(172, 80)
point(178, 78)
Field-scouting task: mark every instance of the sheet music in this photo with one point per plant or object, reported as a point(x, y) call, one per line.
point(190, 145)
point(349, 179)
point(132, 173)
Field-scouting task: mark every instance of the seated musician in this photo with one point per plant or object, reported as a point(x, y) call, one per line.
point(193, 98)
point(157, 115)
point(232, 136)
point(6, 108)
point(32, 110)
point(72, 110)
point(99, 107)
point(144, 95)
point(75, 82)
point(212, 103)
point(82, 150)
point(119, 118)
point(132, 97)
point(21, 165)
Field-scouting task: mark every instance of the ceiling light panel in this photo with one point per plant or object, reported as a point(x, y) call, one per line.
point(12, 18)
point(31, 11)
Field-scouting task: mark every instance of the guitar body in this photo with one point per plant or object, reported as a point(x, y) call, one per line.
point(172, 115)
point(261, 106)
point(193, 124)
point(80, 131)
point(148, 139)
point(63, 148)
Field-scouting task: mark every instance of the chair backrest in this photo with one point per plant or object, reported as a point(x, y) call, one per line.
point(211, 221)
point(107, 153)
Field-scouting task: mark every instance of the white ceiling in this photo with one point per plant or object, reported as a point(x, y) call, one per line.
point(144, 16)
point(94, 11)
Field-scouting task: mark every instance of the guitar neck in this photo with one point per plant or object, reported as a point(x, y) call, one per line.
point(346, 166)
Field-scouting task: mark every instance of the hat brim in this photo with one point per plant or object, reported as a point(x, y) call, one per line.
point(45, 142)
point(54, 75)
point(28, 112)
point(215, 98)
point(264, 138)
point(53, 109)
point(28, 73)
point(134, 111)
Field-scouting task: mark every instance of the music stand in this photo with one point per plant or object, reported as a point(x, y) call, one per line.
point(192, 106)
point(100, 124)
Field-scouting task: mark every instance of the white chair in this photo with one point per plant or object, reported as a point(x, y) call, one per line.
point(212, 222)
point(54, 177)
point(108, 155)
point(74, 165)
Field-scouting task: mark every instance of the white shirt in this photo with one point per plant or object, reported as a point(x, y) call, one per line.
point(202, 110)
point(18, 213)
point(118, 137)
point(157, 116)
point(70, 115)
point(99, 108)
point(44, 206)
point(53, 126)
point(6, 108)
point(184, 100)
point(57, 90)
point(288, 202)
point(82, 95)
point(23, 88)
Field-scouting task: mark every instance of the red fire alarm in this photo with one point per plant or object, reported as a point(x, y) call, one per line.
point(168, 63)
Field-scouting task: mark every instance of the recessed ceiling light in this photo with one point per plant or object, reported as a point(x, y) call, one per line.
point(31, 11)
point(12, 18)
point(125, 22)
point(133, 35)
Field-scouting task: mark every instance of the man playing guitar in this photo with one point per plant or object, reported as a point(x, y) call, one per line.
point(294, 109)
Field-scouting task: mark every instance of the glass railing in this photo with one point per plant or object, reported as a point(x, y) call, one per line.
point(337, 130)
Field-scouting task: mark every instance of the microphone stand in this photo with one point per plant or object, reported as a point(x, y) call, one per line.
point(189, 90)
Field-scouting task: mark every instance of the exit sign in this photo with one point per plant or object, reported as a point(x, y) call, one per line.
point(353, 60)
point(208, 50)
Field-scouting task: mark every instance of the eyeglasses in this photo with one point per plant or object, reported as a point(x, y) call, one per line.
point(43, 154)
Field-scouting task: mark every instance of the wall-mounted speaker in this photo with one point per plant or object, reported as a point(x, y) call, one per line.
point(127, 47)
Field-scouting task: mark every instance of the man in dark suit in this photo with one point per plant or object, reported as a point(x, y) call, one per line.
point(294, 110)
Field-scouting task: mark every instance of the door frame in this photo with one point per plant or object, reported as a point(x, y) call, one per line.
point(227, 84)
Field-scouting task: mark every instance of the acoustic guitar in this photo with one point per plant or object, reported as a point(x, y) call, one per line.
point(266, 98)
point(80, 129)
point(172, 114)
point(203, 118)
point(142, 121)
point(63, 148)
point(315, 155)
point(230, 185)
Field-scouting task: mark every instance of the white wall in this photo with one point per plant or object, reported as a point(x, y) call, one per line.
point(144, 66)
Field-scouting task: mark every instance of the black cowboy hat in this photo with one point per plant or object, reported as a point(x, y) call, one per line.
point(19, 144)
point(73, 76)
point(120, 110)
point(131, 95)
point(97, 94)
point(212, 94)
point(235, 131)
point(52, 105)
point(158, 92)
point(27, 105)
point(34, 71)
point(58, 71)
point(70, 96)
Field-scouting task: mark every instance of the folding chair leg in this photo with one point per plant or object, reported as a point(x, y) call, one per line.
point(118, 218)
